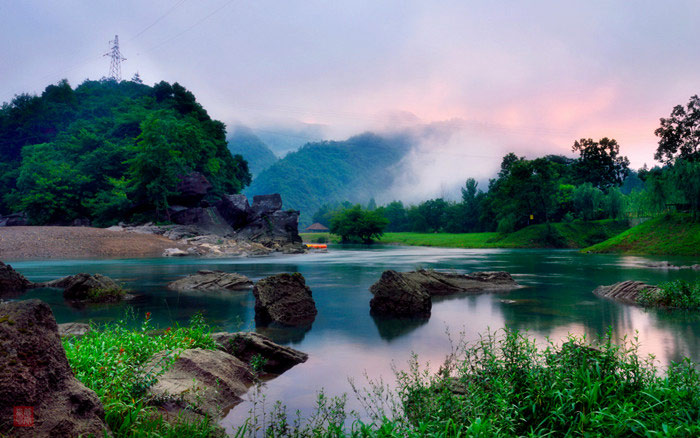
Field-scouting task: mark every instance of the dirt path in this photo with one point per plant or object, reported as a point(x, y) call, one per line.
point(19, 243)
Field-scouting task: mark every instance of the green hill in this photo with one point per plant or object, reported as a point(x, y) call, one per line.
point(331, 172)
point(676, 234)
point(108, 150)
point(258, 155)
point(557, 235)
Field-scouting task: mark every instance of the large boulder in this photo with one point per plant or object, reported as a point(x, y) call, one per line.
point(34, 373)
point(211, 280)
point(212, 381)
point(284, 298)
point(276, 358)
point(87, 287)
point(235, 210)
point(265, 205)
point(204, 219)
point(446, 283)
point(14, 220)
point(12, 281)
point(625, 292)
point(399, 295)
point(191, 189)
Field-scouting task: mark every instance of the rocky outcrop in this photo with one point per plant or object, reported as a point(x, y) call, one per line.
point(12, 281)
point(175, 252)
point(210, 381)
point(34, 372)
point(444, 283)
point(264, 221)
point(284, 298)
point(191, 189)
point(276, 358)
point(87, 287)
point(408, 293)
point(211, 280)
point(398, 295)
point(14, 220)
point(625, 292)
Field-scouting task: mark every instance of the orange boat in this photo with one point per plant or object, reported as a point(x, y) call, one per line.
point(316, 245)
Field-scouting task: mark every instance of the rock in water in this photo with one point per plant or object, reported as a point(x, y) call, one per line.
point(212, 381)
point(284, 298)
point(34, 372)
point(86, 287)
point(174, 252)
point(247, 345)
point(12, 281)
point(624, 292)
point(211, 280)
point(399, 295)
point(444, 283)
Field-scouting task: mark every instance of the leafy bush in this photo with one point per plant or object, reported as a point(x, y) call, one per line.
point(677, 294)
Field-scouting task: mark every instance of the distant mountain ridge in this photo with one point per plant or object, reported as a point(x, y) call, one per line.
point(244, 142)
point(328, 172)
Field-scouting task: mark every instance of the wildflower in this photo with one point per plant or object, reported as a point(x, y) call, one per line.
point(121, 350)
point(148, 315)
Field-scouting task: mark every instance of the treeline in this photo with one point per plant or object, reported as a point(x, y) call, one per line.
point(108, 151)
point(596, 185)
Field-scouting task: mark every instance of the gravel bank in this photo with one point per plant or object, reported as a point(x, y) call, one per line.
point(20, 243)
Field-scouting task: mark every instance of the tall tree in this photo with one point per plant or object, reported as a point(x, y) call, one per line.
point(600, 162)
point(679, 135)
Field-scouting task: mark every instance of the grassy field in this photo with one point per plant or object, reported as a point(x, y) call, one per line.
point(559, 235)
point(674, 234)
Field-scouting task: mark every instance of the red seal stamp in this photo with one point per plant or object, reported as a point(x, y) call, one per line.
point(23, 416)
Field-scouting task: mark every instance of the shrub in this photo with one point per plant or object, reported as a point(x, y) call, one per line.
point(677, 294)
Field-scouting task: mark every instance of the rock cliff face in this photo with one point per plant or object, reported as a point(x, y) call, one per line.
point(263, 221)
point(34, 373)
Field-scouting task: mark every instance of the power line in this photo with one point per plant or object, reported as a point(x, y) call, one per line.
point(197, 23)
point(178, 4)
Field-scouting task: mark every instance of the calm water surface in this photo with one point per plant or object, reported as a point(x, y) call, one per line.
point(346, 342)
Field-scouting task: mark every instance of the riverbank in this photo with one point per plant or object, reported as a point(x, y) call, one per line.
point(22, 243)
point(558, 235)
point(675, 234)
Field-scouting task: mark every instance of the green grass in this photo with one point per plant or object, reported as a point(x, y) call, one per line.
point(558, 235)
point(507, 386)
point(676, 234)
point(112, 361)
point(677, 294)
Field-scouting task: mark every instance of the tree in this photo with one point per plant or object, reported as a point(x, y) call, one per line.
point(679, 135)
point(600, 162)
point(358, 225)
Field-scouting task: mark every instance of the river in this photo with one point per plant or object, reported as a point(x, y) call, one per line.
point(346, 342)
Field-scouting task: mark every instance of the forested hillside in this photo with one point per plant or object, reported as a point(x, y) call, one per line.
point(333, 171)
point(108, 151)
point(257, 154)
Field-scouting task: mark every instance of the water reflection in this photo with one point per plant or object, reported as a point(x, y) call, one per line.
point(345, 341)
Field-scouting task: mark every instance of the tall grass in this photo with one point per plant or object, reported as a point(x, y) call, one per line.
point(505, 386)
point(114, 361)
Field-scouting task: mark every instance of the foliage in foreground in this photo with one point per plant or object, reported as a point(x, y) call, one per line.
point(508, 386)
point(677, 294)
point(113, 362)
